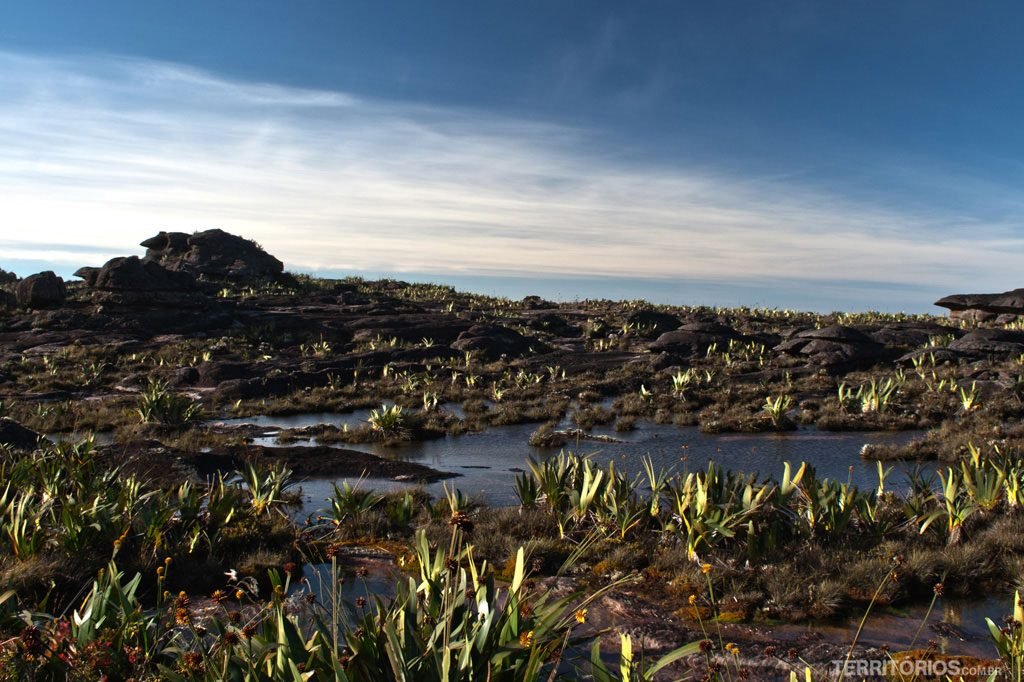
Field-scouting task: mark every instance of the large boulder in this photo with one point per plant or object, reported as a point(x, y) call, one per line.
point(984, 307)
point(42, 290)
point(653, 320)
point(133, 281)
point(554, 324)
point(7, 277)
point(494, 341)
point(984, 342)
point(213, 254)
point(409, 327)
point(694, 338)
point(834, 347)
point(131, 273)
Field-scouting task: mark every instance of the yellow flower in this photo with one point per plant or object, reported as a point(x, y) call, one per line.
point(693, 600)
point(526, 639)
point(732, 648)
point(705, 568)
point(239, 595)
point(581, 616)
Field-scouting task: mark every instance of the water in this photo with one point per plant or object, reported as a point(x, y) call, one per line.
point(901, 629)
point(99, 437)
point(488, 462)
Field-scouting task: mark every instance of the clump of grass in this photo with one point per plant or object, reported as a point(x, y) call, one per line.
point(387, 422)
point(158, 404)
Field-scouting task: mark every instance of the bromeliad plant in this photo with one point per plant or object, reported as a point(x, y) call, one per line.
point(157, 404)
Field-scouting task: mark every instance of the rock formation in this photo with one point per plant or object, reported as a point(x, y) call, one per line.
point(42, 290)
point(213, 255)
point(1004, 307)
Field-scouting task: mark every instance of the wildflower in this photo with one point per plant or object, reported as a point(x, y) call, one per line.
point(461, 521)
point(182, 616)
point(581, 616)
point(248, 631)
point(159, 571)
point(235, 617)
point(360, 602)
point(32, 641)
point(167, 561)
point(332, 551)
point(219, 596)
point(229, 638)
point(770, 651)
point(526, 639)
point(705, 568)
point(693, 600)
point(362, 571)
point(706, 645)
point(239, 595)
point(939, 588)
point(732, 648)
point(291, 568)
point(191, 662)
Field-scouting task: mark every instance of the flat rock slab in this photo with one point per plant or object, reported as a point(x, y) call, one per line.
point(164, 465)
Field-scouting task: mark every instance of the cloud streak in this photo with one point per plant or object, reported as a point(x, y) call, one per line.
point(107, 151)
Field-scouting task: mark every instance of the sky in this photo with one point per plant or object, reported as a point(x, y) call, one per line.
point(817, 155)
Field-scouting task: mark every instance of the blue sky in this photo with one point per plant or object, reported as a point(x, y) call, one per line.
point(791, 154)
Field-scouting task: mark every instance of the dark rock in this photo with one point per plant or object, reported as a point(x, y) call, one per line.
point(537, 303)
point(440, 327)
point(129, 280)
point(834, 347)
point(941, 356)
point(984, 307)
point(494, 341)
point(660, 322)
point(14, 435)
point(836, 332)
point(42, 290)
point(182, 377)
point(247, 389)
point(972, 316)
point(7, 277)
point(982, 342)
point(554, 324)
point(910, 337)
point(212, 374)
point(89, 274)
point(965, 301)
point(132, 274)
point(213, 254)
point(695, 338)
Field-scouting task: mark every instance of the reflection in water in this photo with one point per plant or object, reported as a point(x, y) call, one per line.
point(487, 462)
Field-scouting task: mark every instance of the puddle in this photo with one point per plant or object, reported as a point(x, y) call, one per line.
point(100, 437)
point(956, 627)
point(487, 462)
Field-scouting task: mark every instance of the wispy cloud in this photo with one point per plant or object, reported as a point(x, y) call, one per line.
point(107, 151)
